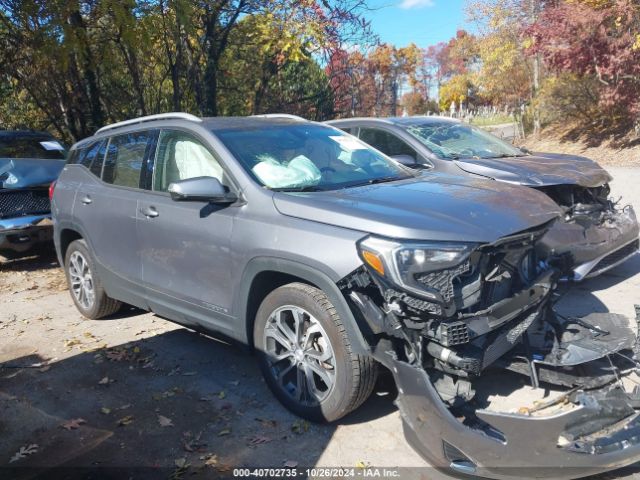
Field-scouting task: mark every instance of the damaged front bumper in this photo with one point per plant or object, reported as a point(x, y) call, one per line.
point(514, 445)
point(23, 233)
point(588, 426)
point(596, 241)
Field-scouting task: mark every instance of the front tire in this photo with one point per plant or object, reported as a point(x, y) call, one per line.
point(305, 355)
point(84, 285)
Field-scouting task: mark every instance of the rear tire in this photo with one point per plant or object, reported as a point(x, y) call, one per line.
point(305, 355)
point(84, 284)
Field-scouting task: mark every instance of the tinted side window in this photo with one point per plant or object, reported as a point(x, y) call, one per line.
point(181, 156)
point(386, 142)
point(96, 164)
point(124, 159)
point(90, 156)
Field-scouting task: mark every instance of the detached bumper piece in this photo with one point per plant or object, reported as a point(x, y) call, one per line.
point(591, 436)
point(589, 423)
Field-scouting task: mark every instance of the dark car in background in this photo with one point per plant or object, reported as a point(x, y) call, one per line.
point(29, 162)
point(597, 233)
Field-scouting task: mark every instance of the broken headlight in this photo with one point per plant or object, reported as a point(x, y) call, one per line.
point(402, 263)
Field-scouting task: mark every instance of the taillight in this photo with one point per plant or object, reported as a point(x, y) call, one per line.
point(52, 187)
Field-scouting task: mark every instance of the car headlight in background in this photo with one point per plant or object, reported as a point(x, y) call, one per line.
point(401, 262)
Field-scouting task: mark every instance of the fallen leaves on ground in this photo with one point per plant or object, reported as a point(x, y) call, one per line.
point(290, 464)
point(125, 420)
point(267, 423)
point(105, 381)
point(73, 424)
point(166, 393)
point(300, 427)
point(24, 452)
point(224, 468)
point(192, 444)
point(164, 421)
point(69, 344)
point(210, 460)
point(226, 431)
point(105, 411)
point(117, 354)
point(181, 468)
point(258, 440)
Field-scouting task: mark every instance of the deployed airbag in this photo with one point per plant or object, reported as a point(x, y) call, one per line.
point(299, 172)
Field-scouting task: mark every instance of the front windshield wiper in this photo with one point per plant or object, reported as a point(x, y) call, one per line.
point(505, 155)
point(373, 181)
point(307, 188)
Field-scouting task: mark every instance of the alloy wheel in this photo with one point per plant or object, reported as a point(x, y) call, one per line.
point(300, 355)
point(81, 280)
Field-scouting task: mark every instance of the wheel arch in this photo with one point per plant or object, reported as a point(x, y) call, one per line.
point(67, 235)
point(264, 274)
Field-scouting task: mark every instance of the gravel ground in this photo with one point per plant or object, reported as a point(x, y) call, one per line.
point(135, 391)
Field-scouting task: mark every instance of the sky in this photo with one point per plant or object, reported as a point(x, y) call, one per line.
point(423, 22)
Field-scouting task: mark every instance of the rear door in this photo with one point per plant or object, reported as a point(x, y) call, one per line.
point(185, 246)
point(106, 209)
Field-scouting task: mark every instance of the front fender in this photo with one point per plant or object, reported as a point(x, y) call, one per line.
point(309, 274)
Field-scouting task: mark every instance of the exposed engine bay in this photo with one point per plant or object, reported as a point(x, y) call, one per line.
point(600, 231)
point(483, 341)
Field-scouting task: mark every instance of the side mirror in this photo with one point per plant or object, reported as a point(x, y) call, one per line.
point(406, 160)
point(203, 189)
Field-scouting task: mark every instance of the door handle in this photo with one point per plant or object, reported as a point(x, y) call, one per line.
point(149, 212)
point(86, 200)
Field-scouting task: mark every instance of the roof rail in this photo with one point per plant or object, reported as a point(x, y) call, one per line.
point(281, 115)
point(150, 118)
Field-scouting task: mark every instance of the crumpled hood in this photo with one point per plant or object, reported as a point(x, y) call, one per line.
point(539, 169)
point(24, 172)
point(430, 207)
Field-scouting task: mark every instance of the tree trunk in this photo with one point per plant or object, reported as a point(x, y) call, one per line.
point(210, 107)
point(88, 66)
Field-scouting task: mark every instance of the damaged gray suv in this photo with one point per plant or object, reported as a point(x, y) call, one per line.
point(331, 259)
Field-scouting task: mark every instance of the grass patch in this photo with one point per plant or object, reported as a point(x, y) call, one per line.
point(495, 120)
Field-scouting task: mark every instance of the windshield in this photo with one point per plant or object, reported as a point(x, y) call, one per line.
point(308, 157)
point(458, 140)
point(31, 147)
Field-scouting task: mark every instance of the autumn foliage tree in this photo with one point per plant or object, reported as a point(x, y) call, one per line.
point(76, 65)
point(597, 41)
point(373, 83)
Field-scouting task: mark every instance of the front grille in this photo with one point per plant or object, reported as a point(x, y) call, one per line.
point(23, 202)
point(442, 280)
point(617, 256)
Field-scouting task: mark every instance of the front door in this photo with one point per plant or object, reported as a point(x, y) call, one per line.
point(184, 245)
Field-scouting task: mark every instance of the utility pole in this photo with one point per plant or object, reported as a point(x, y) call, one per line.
point(535, 13)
